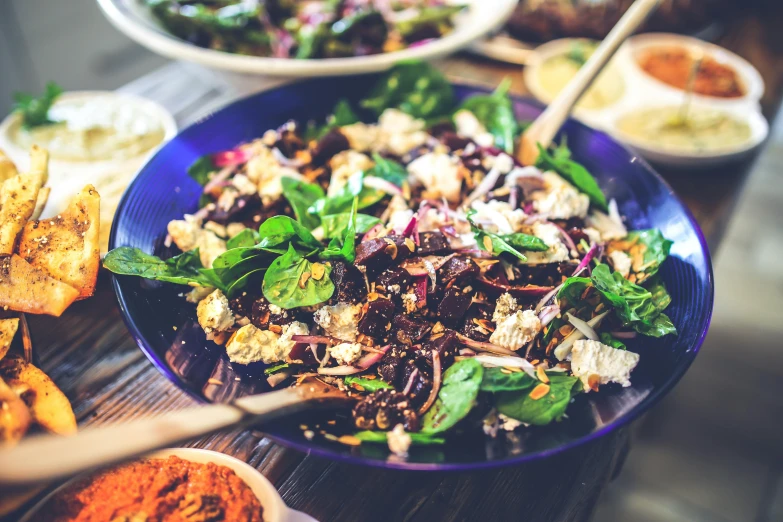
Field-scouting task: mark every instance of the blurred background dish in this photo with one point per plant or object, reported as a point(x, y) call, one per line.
point(534, 22)
point(478, 18)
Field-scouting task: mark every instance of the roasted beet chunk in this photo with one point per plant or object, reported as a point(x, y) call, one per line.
point(454, 141)
point(432, 243)
point(463, 269)
point(420, 382)
point(409, 330)
point(445, 343)
point(349, 285)
point(394, 280)
point(476, 324)
point(390, 367)
point(240, 210)
point(377, 254)
point(262, 315)
point(376, 321)
point(453, 306)
point(289, 143)
point(332, 143)
point(385, 409)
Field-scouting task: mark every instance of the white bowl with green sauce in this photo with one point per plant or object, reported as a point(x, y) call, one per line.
point(98, 137)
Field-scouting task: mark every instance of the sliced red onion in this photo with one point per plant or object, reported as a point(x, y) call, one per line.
point(218, 179)
point(582, 326)
point(586, 260)
point(513, 197)
point(286, 162)
point(418, 265)
point(314, 349)
point(344, 369)
point(484, 347)
point(276, 378)
point(373, 232)
point(314, 339)
point(374, 182)
point(474, 252)
point(232, 157)
point(411, 379)
point(548, 313)
point(466, 352)
point(373, 357)
point(566, 238)
point(412, 228)
point(510, 362)
point(448, 230)
point(623, 335)
point(544, 300)
point(436, 376)
point(516, 291)
point(419, 43)
point(528, 207)
point(564, 349)
point(487, 184)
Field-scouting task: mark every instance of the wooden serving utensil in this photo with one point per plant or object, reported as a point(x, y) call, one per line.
point(544, 128)
point(49, 457)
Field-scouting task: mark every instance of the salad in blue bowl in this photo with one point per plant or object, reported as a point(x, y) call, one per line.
point(397, 250)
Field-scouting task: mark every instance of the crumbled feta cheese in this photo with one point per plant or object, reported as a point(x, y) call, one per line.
point(360, 136)
point(216, 228)
point(593, 235)
point(505, 306)
point(610, 227)
point(344, 165)
point(609, 364)
point(198, 293)
point(284, 343)
point(431, 219)
point(340, 321)
point(227, 199)
point(439, 173)
point(409, 302)
point(243, 185)
point(468, 126)
point(516, 330)
point(560, 199)
point(274, 309)
point(250, 344)
point(214, 314)
point(498, 217)
point(400, 132)
point(394, 289)
point(507, 423)
point(346, 353)
point(399, 441)
point(550, 235)
point(502, 162)
point(266, 172)
point(187, 234)
point(621, 262)
point(233, 229)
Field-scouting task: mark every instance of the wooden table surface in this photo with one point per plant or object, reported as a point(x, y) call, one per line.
point(90, 354)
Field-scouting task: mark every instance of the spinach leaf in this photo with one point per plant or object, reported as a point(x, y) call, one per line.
point(496, 112)
point(344, 249)
point(244, 280)
point(287, 286)
point(334, 225)
point(388, 169)
point(548, 408)
point(428, 16)
point(656, 248)
point(609, 340)
point(343, 200)
point(572, 290)
point(311, 40)
point(341, 115)
point(183, 269)
point(636, 306)
point(278, 230)
point(201, 169)
point(276, 368)
point(525, 242)
point(496, 380)
point(490, 242)
point(415, 88)
point(417, 439)
point(247, 238)
point(368, 385)
point(35, 111)
point(301, 196)
point(457, 396)
point(560, 161)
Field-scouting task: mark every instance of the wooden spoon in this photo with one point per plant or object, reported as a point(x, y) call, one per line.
point(48, 457)
point(543, 130)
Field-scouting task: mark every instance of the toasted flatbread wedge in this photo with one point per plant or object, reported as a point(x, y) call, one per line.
point(67, 246)
point(40, 203)
point(39, 164)
point(14, 416)
point(18, 196)
point(24, 288)
point(48, 405)
point(7, 168)
point(8, 329)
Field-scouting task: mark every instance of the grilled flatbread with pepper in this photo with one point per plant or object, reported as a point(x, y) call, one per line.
point(18, 198)
point(24, 288)
point(8, 329)
point(14, 416)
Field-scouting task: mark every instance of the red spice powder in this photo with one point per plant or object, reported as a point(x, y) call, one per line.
point(672, 65)
point(157, 490)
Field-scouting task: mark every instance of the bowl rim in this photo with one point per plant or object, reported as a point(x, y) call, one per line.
point(646, 403)
point(168, 45)
point(262, 488)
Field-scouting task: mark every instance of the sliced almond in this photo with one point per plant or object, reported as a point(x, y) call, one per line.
point(541, 374)
point(274, 328)
point(539, 391)
point(303, 279)
point(487, 244)
point(391, 248)
point(317, 271)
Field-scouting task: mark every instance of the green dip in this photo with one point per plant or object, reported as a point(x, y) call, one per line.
point(703, 130)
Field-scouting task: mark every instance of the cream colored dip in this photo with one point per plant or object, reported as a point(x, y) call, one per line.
point(703, 130)
point(555, 72)
point(93, 129)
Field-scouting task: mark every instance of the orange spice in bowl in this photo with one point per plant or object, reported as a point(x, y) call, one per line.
point(164, 490)
point(672, 65)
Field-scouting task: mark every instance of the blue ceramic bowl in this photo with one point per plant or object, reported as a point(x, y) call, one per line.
point(163, 191)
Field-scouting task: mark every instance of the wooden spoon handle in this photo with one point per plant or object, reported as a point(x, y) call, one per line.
point(545, 127)
point(50, 457)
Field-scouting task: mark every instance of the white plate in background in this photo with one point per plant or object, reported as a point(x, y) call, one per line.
point(136, 21)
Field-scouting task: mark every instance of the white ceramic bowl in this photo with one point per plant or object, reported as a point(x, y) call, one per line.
point(110, 177)
point(643, 91)
point(275, 509)
point(136, 21)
